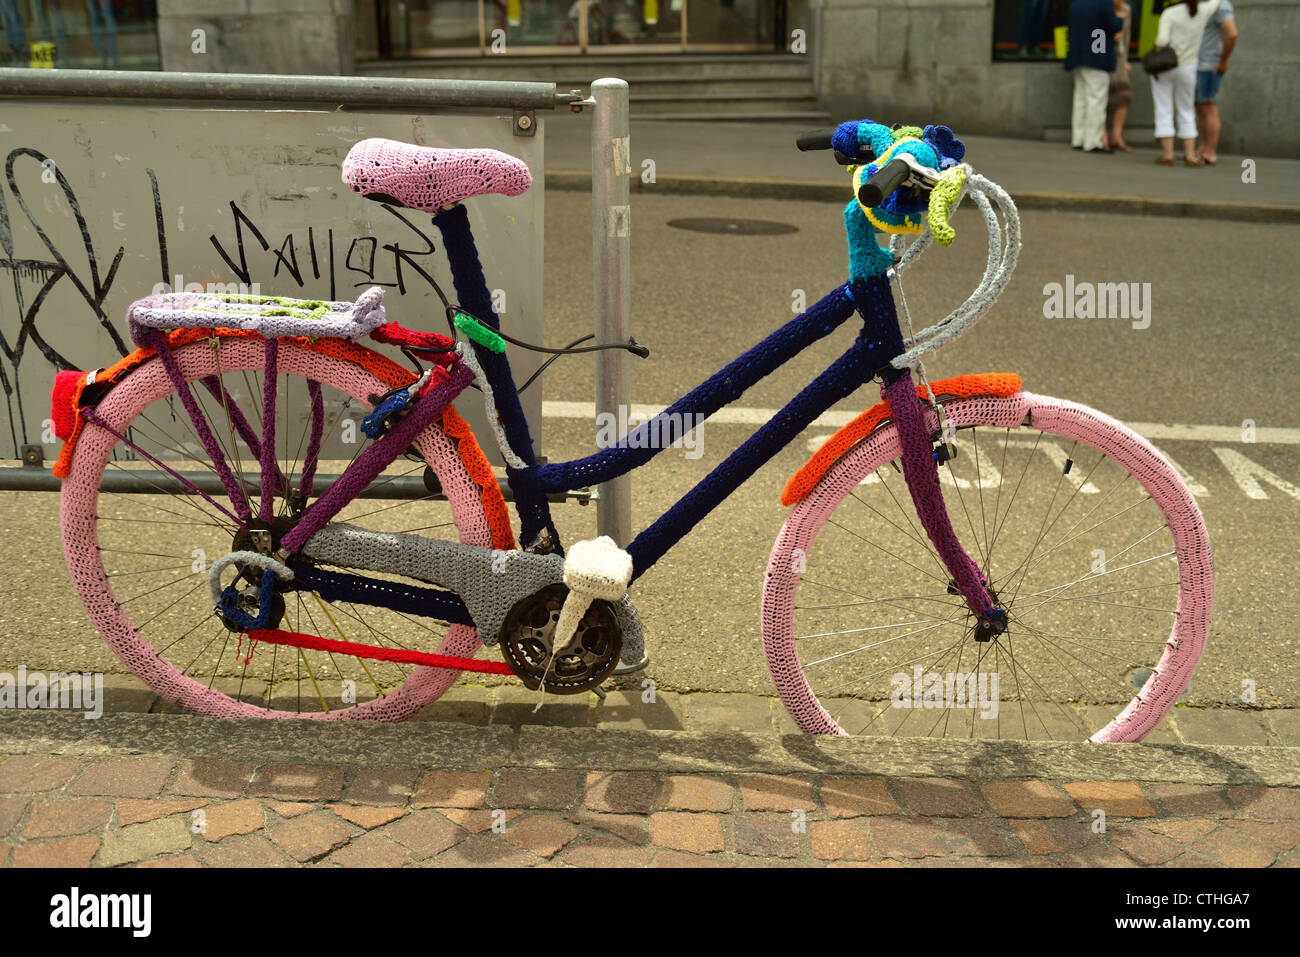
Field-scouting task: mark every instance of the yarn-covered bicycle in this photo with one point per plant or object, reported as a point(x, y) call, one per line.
point(1081, 582)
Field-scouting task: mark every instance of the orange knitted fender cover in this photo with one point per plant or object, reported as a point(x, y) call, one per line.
point(962, 387)
point(69, 387)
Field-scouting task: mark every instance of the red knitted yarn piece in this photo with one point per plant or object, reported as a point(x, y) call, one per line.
point(314, 642)
point(962, 386)
point(62, 409)
point(395, 335)
point(422, 177)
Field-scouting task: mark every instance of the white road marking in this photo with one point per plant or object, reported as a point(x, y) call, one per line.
point(741, 415)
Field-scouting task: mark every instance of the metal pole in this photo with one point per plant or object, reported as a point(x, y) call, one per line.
point(612, 248)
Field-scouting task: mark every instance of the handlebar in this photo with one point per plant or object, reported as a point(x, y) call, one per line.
point(888, 178)
point(815, 139)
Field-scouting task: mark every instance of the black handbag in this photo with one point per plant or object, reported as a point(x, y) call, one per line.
point(1159, 60)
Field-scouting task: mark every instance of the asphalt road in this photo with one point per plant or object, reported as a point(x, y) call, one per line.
point(1220, 349)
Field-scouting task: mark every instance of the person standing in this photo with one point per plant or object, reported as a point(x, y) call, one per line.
point(1173, 90)
point(1217, 41)
point(1121, 86)
point(1091, 56)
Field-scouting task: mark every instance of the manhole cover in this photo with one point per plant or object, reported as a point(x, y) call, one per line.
point(736, 227)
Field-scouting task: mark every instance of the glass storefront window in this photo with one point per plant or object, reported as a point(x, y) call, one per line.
point(80, 34)
point(1027, 29)
point(407, 28)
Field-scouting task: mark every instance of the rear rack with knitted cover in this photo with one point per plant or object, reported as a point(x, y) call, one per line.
point(964, 557)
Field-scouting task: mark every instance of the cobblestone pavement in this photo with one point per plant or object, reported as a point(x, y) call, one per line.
point(686, 799)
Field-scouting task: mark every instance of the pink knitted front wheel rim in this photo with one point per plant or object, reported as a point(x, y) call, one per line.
point(1057, 419)
point(149, 384)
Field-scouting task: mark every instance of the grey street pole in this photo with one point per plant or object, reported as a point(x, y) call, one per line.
point(611, 238)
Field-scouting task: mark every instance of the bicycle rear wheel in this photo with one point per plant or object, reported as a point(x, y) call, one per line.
point(1087, 536)
point(139, 561)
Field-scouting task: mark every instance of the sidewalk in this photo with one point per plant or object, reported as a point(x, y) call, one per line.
point(760, 160)
point(179, 791)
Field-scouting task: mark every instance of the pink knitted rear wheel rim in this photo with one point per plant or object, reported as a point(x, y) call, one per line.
point(1049, 416)
point(149, 384)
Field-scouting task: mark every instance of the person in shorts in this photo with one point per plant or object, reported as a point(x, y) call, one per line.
point(1217, 41)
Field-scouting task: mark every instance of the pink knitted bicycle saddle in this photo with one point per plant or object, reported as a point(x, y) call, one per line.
point(422, 177)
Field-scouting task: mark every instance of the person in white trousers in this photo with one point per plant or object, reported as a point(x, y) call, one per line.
point(1090, 56)
point(1174, 90)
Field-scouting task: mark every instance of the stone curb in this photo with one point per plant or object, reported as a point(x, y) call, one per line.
point(756, 187)
point(452, 746)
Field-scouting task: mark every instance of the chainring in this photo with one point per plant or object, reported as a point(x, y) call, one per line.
point(590, 658)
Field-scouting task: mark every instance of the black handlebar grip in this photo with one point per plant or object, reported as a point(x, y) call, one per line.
point(886, 179)
point(815, 139)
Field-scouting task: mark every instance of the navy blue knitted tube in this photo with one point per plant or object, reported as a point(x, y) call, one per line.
point(410, 599)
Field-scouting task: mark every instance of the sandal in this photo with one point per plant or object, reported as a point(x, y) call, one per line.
point(1193, 161)
point(1164, 161)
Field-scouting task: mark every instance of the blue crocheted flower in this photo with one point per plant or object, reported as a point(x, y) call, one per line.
point(948, 147)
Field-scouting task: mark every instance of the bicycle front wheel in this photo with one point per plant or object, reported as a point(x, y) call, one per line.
point(139, 561)
point(1088, 538)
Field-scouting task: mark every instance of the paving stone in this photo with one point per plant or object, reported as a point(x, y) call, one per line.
point(1027, 799)
point(1145, 846)
point(67, 818)
point(1235, 849)
point(621, 792)
point(141, 841)
point(227, 820)
point(368, 817)
point(727, 712)
point(839, 840)
point(678, 859)
point(760, 835)
point(856, 797)
point(1269, 804)
point(682, 831)
point(61, 852)
point(478, 820)
point(1036, 835)
point(515, 706)
point(11, 812)
point(180, 860)
point(461, 704)
point(915, 837)
point(137, 810)
point(1071, 834)
point(213, 778)
point(1187, 800)
point(696, 792)
point(626, 711)
point(369, 850)
point(771, 792)
point(298, 782)
point(540, 834)
point(384, 786)
point(518, 787)
point(253, 851)
point(1184, 831)
point(486, 850)
point(25, 773)
point(1220, 726)
point(938, 797)
point(452, 789)
point(630, 827)
point(1285, 723)
point(425, 833)
point(309, 837)
point(291, 809)
point(1116, 798)
point(1095, 854)
point(124, 777)
point(603, 851)
point(1283, 836)
point(1192, 859)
